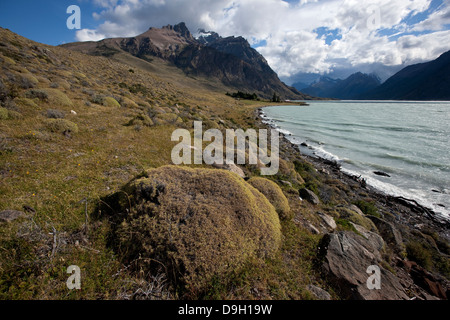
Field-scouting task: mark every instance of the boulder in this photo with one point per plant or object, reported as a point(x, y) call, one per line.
point(346, 258)
point(382, 174)
point(389, 233)
point(7, 216)
point(319, 293)
point(309, 196)
point(376, 240)
point(312, 229)
point(328, 221)
point(356, 209)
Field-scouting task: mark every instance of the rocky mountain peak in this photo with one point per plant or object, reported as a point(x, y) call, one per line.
point(183, 30)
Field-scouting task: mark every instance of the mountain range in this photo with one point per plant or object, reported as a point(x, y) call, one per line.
point(421, 82)
point(351, 88)
point(231, 61)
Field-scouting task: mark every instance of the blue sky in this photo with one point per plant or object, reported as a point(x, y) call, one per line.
point(297, 37)
point(45, 20)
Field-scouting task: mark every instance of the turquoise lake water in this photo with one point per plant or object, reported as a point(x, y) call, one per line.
point(410, 141)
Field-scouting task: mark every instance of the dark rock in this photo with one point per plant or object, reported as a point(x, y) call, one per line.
point(10, 215)
point(304, 144)
point(309, 196)
point(382, 174)
point(29, 209)
point(425, 279)
point(389, 233)
point(346, 257)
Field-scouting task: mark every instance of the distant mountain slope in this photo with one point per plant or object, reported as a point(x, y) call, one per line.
point(350, 88)
point(231, 60)
point(424, 81)
point(300, 85)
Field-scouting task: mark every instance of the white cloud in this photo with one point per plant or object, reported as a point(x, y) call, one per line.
point(291, 45)
point(89, 35)
point(436, 21)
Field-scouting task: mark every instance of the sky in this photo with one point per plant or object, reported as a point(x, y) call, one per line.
point(301, 39)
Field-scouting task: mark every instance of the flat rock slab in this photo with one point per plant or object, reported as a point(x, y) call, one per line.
point(346, 259)
point(7, 216)
point(328, 220)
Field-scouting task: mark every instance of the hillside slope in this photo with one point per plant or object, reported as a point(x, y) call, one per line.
point(230, 60)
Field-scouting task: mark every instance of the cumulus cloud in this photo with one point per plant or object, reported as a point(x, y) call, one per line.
point(288, 30)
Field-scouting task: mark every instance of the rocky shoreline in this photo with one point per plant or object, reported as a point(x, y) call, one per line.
point(400, 223)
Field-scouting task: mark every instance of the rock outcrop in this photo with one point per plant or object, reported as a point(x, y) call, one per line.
point(230, 60)
point(346, 259)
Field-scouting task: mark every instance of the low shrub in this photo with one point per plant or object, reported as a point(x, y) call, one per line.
point(37, 93)
point(194, 223)
point(128, 103)
point(3, 114)
point(287, 172)
point(6, 114)
point(367, 208)
point(26, 102)
point(141, 120)
point(55, 114)
point(352, 216)
point(61, 126)
point(170, 118)
point(110, 102)
point(274, 194)
point(415, 251)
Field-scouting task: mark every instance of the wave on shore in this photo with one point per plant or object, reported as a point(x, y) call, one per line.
point(317, 149)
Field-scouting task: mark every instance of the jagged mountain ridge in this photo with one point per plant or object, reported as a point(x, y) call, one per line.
point(231, 60)
point(351, 88)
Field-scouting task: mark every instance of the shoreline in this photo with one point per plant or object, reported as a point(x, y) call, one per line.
point(406, 211)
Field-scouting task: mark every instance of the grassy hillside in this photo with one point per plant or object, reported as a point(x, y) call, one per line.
point(77, 128)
